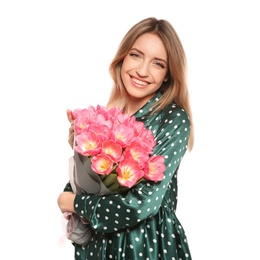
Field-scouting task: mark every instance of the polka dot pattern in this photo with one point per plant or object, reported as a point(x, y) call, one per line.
point(142, 224)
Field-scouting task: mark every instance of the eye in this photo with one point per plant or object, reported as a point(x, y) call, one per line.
point(160, 64)
point(134, 54)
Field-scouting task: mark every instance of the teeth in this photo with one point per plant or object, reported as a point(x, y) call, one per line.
point(139, 82)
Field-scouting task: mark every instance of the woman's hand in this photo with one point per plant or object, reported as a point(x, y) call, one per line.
point(66, 201)
point(71, 129)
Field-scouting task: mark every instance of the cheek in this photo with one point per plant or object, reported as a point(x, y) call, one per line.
point(123, 67)
point(123, 72)
point(126, 68)
point(124, 64)
point(159, 77)
point(128, 64)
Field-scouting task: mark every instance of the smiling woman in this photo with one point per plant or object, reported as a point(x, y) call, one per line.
point(144, 70)
point(149, 74)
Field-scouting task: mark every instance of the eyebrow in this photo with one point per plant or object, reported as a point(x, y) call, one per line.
point(156, 58)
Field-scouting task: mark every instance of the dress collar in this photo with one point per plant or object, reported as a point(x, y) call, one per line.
point(146, 108)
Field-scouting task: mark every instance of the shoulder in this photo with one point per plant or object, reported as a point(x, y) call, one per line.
point(176, 113)
point(174, 119)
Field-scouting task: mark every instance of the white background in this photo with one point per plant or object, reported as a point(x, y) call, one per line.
point(55, 55)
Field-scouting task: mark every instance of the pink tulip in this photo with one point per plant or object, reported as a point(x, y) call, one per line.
point(102, 164)
point(129, 172)
point(113, 150)
point(137, 152)
point(122, 134)
point(156, 169)
point(88, 144)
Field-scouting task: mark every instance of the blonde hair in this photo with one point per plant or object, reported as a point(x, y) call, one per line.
point(175, 89)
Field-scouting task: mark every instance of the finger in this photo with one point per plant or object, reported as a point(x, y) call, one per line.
point(71, 134)
point(69, 115)
point(71, 140)
point(71, 129)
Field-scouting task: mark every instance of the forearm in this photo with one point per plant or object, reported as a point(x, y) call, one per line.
point(66, 202)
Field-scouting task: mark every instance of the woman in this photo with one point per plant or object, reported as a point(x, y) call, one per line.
point(149, 74)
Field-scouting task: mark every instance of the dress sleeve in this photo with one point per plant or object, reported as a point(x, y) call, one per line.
point(68, 187)
point(114, 212)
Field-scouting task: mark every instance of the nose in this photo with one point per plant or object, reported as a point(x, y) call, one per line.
point(143, 70)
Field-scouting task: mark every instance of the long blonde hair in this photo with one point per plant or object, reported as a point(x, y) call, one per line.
point(175, 89)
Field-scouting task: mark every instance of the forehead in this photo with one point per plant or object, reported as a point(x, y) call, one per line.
point(151, 44)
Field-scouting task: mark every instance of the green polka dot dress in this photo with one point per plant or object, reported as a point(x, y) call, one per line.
point(141, 224)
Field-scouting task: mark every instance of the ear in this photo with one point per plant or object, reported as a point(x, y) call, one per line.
point(165, 79)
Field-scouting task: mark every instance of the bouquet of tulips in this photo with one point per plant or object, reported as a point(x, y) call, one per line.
point(116, 148)
point(112, 153)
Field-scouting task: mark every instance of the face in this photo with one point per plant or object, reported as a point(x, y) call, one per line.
point(144, 68)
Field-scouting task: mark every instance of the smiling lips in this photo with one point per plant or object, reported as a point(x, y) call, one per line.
point(139, 83)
